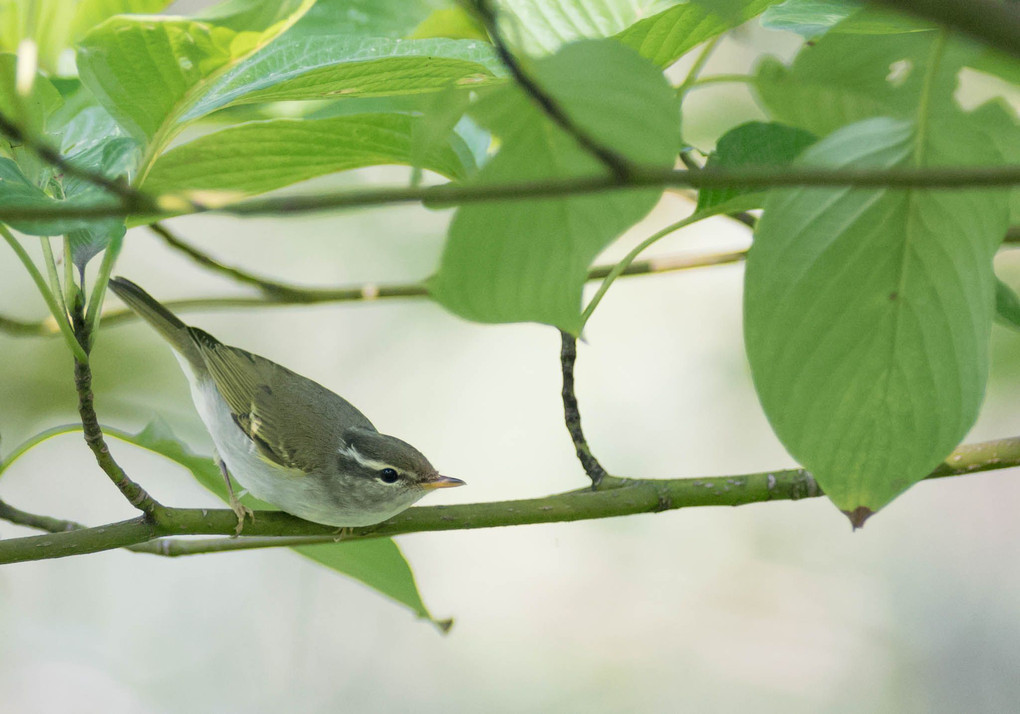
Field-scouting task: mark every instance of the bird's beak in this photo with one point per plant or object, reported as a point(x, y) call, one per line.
point(443, 482)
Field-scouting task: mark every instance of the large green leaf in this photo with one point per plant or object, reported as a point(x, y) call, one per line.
point(262, 156)
point(868, 311)
point(844, 78)
point(541, 27)
point(667, 36)
point(303, 67)
point(378, 563)
point(31, 112)
point(119, 59)
point(113, 158)
point(752, 144)
point(808, 17)
point(55, 25)
point(527, 260)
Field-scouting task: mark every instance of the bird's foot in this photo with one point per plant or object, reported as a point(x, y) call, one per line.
point(241, 511)
point(342, 534)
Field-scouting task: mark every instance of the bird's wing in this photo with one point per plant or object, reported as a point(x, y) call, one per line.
point(294, 422)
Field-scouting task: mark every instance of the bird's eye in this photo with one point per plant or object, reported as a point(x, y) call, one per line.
point(389, 475)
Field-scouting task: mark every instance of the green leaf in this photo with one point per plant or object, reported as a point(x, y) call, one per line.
point(844, 78)
point(997, 120)
point(314, 67)
point(541, 27)
point(31, 113)
point(808, 18)
point(1007, 305)
point(751, 144)
point(527, 260)
point(262, 156)
point(55, 25)
point(119, 59)
point(380, 565)
point(666, 37)
point(16, 191)
point(868, 311)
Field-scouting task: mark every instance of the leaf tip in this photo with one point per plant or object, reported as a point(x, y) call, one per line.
point(444, 626)
point(858, 516)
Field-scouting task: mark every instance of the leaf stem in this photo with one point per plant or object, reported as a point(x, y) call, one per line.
point(699, 64)
point(51, 269)
point(51, 301)
point(714, 79)
point(622, 266)
point(102, 279)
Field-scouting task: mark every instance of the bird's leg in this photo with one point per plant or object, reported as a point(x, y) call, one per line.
point(342, 533)
point(239, 509)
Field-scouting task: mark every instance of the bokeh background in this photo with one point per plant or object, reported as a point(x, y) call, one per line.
point(776, 607)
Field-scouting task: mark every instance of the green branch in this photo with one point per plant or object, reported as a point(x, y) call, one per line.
point(93, 432)
point(619, 497)
point(449, 194)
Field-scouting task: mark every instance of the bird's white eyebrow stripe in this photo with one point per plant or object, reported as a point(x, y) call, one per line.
point(363, 460)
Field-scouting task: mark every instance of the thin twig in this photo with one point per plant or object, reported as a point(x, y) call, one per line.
point(268, 287)
point(571, 413)
point(370, 291)
point(450, 194)
point(618, 164)
point(133, 492)
point(622, 497)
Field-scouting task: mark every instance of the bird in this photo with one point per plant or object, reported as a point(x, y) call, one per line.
point(285, 438)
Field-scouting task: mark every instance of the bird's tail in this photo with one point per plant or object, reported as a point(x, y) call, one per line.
point(166, 323)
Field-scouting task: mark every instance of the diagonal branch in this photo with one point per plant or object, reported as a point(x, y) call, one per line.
point(624, 497)
point(132, 199)
point(613, 160)
point(132, 491)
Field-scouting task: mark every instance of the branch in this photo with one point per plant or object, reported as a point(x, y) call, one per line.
point(571, 413)
point(450, 194)
point(993, 22)
point(295, 295)
point(613, 160)
point(624, 497)
point(133, 492)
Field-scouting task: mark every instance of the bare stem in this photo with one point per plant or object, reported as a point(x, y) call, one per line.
point(133, 492)
point(571, 413)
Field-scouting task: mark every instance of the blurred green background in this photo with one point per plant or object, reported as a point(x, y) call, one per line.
point(767, 608)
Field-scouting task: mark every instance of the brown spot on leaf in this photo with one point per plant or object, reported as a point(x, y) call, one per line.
point(858, 516)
